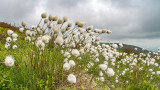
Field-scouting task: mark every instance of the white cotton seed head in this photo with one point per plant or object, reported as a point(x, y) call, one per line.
point(71, 78)
point(97, 60)
point(43, 15)
point(75, 52)
point(98, 38)
point(89, 28)
point(8, 39)
point(66, 54)
point(59, 40)
point(9, 32)
point(110, 72)
point(158, 72)
point(100, 73)
point(9, 61)
point(7, 45)
point(14, 35)
point(46, 38)
point(103, 66)
point(81, 51)
point(28, 38)
point(115, 46)
point(72, 63)
point(80, 24)
point(120, 45)
point(40, 44)
point(14, 39)
point(21, 30)
point(153, 73)
point(60, 21)
point(65, 19)
point(109, 31)
point(63, 30)
point(23, 24)
point(81, 30)
point(150, 70)
point(56, 28)
point(116, 81)
point(14, 47)
point(66, 66)
point(33, 33)
point(104, 30)
point(101, 79)
point(65, 60)
point(28, 32)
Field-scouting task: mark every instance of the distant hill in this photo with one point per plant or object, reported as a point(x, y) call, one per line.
point(131, 48)
point(9, 26)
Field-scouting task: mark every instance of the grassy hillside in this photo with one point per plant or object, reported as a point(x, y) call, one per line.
point(69, 56)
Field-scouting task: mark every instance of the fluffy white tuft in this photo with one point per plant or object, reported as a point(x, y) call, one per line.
point(9, 61)
point(71, 78)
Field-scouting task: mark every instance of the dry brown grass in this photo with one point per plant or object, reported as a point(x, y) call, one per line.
point(9, 26)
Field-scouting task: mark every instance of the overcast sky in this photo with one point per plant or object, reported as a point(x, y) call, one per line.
point(135, 22)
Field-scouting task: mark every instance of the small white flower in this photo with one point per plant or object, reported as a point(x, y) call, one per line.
point(71, 78)
point(66, 66)
point(72, 63)
point(14, 47)
point(9, 61)
point(103, 66)
point(75, 52)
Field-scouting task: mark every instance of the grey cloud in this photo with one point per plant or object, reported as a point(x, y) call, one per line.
point(15, 10)
point(128, 19)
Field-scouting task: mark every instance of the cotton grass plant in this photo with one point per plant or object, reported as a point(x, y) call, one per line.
point(58, 54)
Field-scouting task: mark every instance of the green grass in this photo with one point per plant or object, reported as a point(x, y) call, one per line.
point(33, 70)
